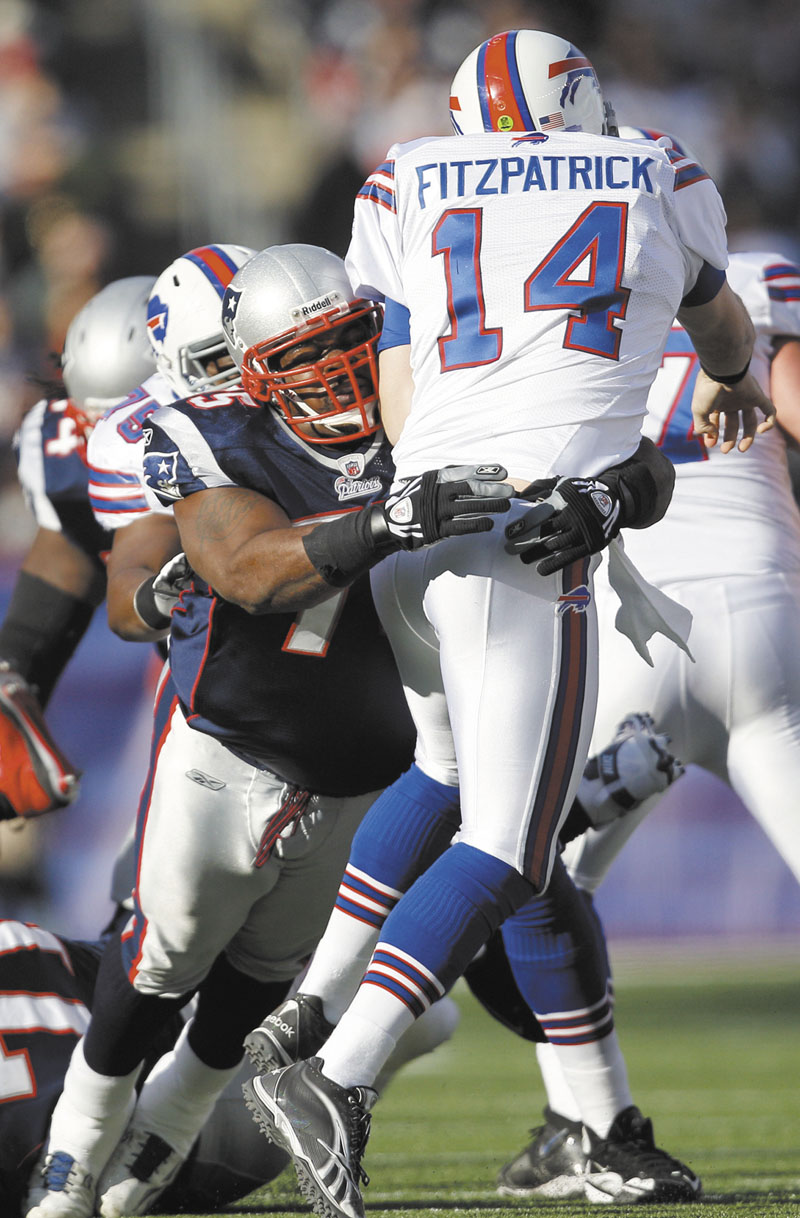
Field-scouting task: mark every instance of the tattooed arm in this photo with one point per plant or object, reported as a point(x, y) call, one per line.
point(245, 547)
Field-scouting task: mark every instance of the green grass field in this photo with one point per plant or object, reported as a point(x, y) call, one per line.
point(713, 1052)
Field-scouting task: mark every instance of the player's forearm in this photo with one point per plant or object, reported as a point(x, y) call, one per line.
point(722, 334)
point(41, 629)
point(270, 573)
point(123, 616)
point(784, 385)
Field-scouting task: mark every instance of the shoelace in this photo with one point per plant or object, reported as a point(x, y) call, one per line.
point(293, 807)
point(58, 1171)
point(360, 1123)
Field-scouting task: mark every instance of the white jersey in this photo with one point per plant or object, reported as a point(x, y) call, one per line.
point(738, 509)
point(117, 492)
point(609, 236)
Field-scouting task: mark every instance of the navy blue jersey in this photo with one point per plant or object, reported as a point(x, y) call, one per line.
point(53, 473)
point(313, 696)
point(45, 988)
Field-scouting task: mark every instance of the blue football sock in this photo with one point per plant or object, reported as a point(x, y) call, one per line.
point(556, 948)
point(406, 829)
point(450, 911)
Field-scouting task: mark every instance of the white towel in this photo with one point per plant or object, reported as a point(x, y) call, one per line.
point(644, 610)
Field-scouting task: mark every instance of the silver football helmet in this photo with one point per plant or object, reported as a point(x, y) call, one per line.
point(106, 350)
point(184, 318)
point(305, 343)
point(526, 80)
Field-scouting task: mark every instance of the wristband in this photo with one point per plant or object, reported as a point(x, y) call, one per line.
point(144, 603)
point(728, 380)
point(349, 546)
point(41, 629)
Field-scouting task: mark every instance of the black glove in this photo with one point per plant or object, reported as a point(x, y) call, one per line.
point(572, 518)
point(157, 596)
point(445, 503)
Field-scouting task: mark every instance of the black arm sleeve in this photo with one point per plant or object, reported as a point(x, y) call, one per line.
point(41, 630)
point(644, 484)
point(347, 547)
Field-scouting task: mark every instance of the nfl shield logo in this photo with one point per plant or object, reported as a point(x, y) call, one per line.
point(352, 465)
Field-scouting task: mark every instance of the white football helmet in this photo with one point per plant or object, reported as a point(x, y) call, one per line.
point(526, 80)
point(184, 317)
point(650, 133)
point(299, 296)
point(106, 350)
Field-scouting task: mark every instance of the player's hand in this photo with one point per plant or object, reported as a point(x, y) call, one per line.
point(740, 407)
point(445, 503)
point(35, 776)
point(156, 596)
point(174, 578)
point(571, 519)
point(637, 764)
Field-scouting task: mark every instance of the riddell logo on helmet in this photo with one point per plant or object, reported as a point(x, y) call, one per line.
point(332, 300)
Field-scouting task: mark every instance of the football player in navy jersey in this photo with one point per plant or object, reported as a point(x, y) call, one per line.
point(46, 988)
point(62, 578)
point(278, 719)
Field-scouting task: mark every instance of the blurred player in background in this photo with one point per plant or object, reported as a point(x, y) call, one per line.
point(490, 680)
point(62, 579)
point(46, 989)
point(185, 332)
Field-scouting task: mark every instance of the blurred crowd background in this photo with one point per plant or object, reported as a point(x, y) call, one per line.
point(131, 131)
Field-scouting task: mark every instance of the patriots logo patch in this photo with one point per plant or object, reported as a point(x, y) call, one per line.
point(161, 474)
point(230, 305)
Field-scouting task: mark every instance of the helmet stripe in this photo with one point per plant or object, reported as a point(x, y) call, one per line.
point(215, 264)
point(499, 86)
point(569, 65)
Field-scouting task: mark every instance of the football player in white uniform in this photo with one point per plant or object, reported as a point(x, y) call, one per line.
point(184, 329)
point(532, 268)
point(735, 711)
point(62, 578)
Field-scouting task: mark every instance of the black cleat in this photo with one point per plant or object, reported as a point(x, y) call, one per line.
point(626, 1167)
point(295, 1030)
point(551, 1166)
point(323, 1126)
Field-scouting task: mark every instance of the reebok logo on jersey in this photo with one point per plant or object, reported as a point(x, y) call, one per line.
point(205, 780)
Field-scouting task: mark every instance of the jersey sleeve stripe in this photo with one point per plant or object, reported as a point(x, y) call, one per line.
point(111, 477)
point(782, 270)
point(689, 175)
point(783, 294)
point(105, 507)
point(371, 192)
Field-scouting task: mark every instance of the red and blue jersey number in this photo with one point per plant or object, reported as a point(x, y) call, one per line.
point(581, 272)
